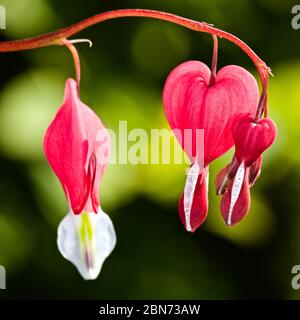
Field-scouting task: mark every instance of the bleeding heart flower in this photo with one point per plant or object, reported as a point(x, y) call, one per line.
point(251, 139)
point(192, 102)
point(76, 146)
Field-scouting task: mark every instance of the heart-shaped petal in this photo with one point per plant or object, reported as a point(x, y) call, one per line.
point(191, 103)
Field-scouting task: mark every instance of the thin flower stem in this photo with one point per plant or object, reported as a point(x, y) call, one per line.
point(76, 59)
point(214, 61)
point(58, 37)
point(263, 102)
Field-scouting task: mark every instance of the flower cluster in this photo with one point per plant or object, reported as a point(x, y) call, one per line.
point(224, 109)
point(224, 105)
point(221, 104)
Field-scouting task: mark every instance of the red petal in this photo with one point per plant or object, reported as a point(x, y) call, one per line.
point(69, 143)
point(252, 138)
point(190, 103)
point(225, 176)
point(199, 205)
point(254, 172)
point(91, 176)
point(222, 180)
point(234, 211)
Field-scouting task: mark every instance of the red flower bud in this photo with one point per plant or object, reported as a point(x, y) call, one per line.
point(252, 138)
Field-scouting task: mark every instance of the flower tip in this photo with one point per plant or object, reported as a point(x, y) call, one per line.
point(86, 241)
point(193, 204)
point(230, 222)
point(195, 219)
point(71, 86)
point(189, 228)
point(194, 228)
point(236, 200)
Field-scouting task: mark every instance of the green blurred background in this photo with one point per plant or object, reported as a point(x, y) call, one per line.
point(122, 79)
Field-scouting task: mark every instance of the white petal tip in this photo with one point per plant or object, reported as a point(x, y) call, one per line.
point(236, 189)
point(188, 228)
point(189, 190)
point(86, 240)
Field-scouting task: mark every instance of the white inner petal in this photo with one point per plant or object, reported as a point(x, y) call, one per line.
point(236, 189)
point(189, 191)
point(86, 241)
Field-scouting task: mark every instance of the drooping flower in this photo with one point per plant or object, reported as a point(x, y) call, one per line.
point(76, 145)
point(251, 137)
point(193, 102)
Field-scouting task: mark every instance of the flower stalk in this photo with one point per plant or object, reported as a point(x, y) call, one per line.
point(214, 62)
point(76, 60)
point(59, 37)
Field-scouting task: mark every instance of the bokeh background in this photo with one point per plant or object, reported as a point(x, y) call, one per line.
point(122, 79)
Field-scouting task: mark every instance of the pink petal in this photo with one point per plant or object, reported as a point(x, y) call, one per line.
point(190, 103)
point(236, 200)
point(252, 138)
point(222, 180)
point(75, 152)
point(225, 176)
point(255, 171)
point(198, 203)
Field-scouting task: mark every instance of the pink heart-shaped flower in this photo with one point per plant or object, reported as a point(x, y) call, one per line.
point(191, 103)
